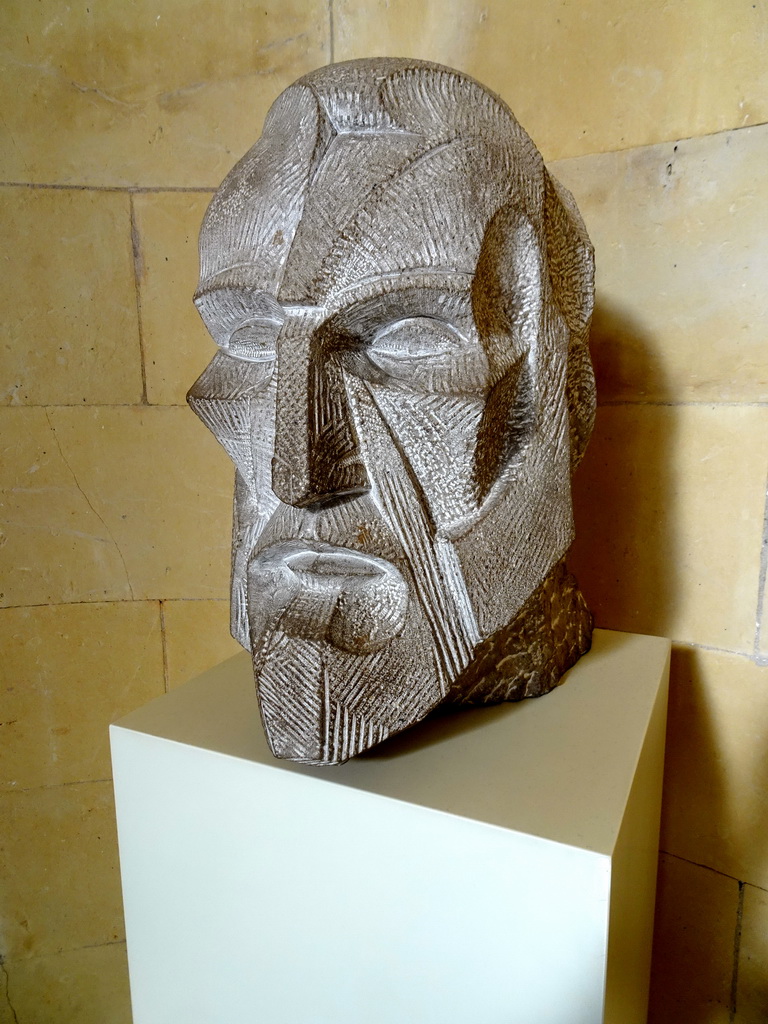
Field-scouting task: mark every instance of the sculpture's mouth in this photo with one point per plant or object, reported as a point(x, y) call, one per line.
point(338, 566)
point(315, 591)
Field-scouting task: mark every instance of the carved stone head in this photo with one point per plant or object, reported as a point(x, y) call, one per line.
point(400, 294)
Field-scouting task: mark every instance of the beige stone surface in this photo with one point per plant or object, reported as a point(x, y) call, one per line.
point(197, 637)
point(54, 547)
point(585, 77)
point(693, 941)
point(146, 93)
point(6, 1012)
point(752, 990)
point(679, 231)
point(176, 344)
point(669, 514)
point(113, 503)
point(58, 862)
point(68, 302)
point(763, 613)
point(73, 987)
point(68, 671)
point(716, 777)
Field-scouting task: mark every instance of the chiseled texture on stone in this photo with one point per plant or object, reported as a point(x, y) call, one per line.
point(401, 296)
point(528, 657)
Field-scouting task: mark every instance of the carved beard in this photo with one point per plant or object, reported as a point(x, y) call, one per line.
point(348, 646)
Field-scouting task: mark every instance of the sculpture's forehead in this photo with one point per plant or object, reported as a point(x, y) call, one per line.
point(250, 224)
point(317, 207)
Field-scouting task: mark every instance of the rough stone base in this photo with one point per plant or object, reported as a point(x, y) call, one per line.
point(528, 656)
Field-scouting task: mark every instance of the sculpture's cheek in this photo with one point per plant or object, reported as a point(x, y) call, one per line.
point(437, 436)
point(235, 399)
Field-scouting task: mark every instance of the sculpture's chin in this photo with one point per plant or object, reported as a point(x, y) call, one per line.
point(316, 701)
point(339, 650)
point(322, 703)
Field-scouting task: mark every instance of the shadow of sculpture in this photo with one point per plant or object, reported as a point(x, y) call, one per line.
point(629, 562)
point(625, 509)
point(440, 727)
point(691, 974)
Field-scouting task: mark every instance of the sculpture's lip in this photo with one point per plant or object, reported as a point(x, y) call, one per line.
point(313, 591)
point(337, 562)
point(322, 563)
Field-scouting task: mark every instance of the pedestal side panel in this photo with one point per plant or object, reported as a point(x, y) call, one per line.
point(633, 878)
point(253, 894)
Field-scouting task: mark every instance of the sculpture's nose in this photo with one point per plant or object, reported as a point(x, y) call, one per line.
point(317, 459)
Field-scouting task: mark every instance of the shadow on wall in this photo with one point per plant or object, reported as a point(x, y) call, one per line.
point(716, 778)
point(692, 969)
point(623, 492)
point(696, 908)
point(628, 561)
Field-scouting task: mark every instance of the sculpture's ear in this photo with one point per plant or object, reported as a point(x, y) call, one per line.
point(571, 266)
point(506, 290)
point(507, 303)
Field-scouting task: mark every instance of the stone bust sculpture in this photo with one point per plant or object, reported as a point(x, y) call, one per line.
point(400, 295)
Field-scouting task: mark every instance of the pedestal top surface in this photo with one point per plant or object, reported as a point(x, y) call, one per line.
point(560, 766)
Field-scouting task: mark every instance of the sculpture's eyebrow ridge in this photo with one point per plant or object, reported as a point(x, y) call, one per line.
point(363, 131)
point(382, 284)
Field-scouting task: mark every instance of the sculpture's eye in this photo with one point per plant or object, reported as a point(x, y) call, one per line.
point(401, 347)
point(255, 341)
point(424, 353)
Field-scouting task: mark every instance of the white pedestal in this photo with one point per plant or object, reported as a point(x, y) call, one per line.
point(494, 867)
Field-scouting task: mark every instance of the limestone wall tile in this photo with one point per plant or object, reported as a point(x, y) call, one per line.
point(715, 809)
point(54, 547)
point(585, 77)
point(160, 93)
point(669, 516)
point(111, 504)
point(176, 344)
point(78, 986)
point(6, 1009)
point(762, 613)
point(163, 487)
point(58, 860)
point(696, 912)
point(68, 301)
point(68, 671)
point(752, 990)
point(679, 231)
point(197, 637)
